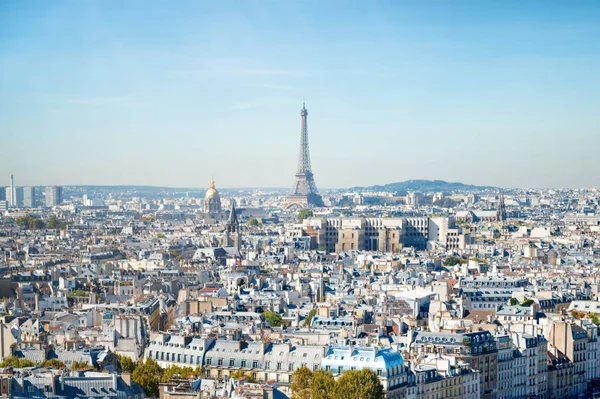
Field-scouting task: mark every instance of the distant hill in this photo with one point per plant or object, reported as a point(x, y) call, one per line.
point(423, 186)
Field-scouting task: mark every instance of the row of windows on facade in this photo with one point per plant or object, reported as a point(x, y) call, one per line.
point(197, 360)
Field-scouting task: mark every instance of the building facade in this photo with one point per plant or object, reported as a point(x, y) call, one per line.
point(54, 196)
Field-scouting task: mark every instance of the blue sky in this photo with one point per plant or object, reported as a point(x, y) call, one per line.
point(171, 93)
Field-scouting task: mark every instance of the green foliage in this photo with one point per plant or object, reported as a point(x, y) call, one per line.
point(80, 366)
point(322, 248)
point(274, 319)
point(147, 219)
point(239, 374)
point(161, 235)
point(77, 293)
point(127, 364)
point(513, 301)
point(304, 214)
point(309, 317)
point(479, 260)
point(322, 385)
point(355, 384)
point(56, 223)
point(148, 375)
point(527, 302)
point(185, 373)
point(301, 381)
point(30, 222)
point(578, 315)
point(253, 222)
point(53, 364)
point(16, 362)
point(451, 261)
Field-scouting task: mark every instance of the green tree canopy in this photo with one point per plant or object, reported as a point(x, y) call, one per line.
point(304, 214)
point(80, 366)
point(253, 222)
point(309, 317)
point(30, 222)
point(56, 223)
point(274, 319)
point(185, 372)
point(53, 364)
point(355, 384)
point(513, 301)
point(77, 293)
point(322, 385)
point(127, 364)
point(451, 261)
point(301, 381)
point(148, 375)
point(239, 374)
point(527, 302)
point(16, 362)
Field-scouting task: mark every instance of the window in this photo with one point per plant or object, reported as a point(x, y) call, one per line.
point(209, 361)
point(268, 365)
point(255, 364)
point(219, 362)
point(278, 366)
point(231, 362)
point(243, 363)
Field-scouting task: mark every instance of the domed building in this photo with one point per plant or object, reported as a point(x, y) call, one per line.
point(212, 212)
point(212, 199)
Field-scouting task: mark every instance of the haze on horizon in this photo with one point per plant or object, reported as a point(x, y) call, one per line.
point(172, 93)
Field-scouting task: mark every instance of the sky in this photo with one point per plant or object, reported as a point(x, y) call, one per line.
point(172, 93)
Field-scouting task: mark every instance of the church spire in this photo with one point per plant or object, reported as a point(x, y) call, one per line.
point(233, 221)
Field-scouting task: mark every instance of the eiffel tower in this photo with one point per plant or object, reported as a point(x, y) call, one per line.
point(304, 191)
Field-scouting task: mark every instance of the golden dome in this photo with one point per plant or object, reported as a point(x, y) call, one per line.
point(212, 191)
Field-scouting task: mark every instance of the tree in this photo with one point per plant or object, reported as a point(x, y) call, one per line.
point(301, 381)
point(16, 362)
point(274, 319)
point(30, 222)
point(53, 364)
point(148, 375)
point(451, 261)
point(127, 364)
point(77, 293)
point(513, 301)
point(80, 366)
point(304, 214)
point(322, 385)
point(527, 302)
point(578, 315)
point(239, 374)
point(56, 223)
point(355, 384)
point(253, 222)
point(309, 317)
point(184, 372)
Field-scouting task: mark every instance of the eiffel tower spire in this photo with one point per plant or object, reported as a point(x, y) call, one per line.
point(304, 191)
